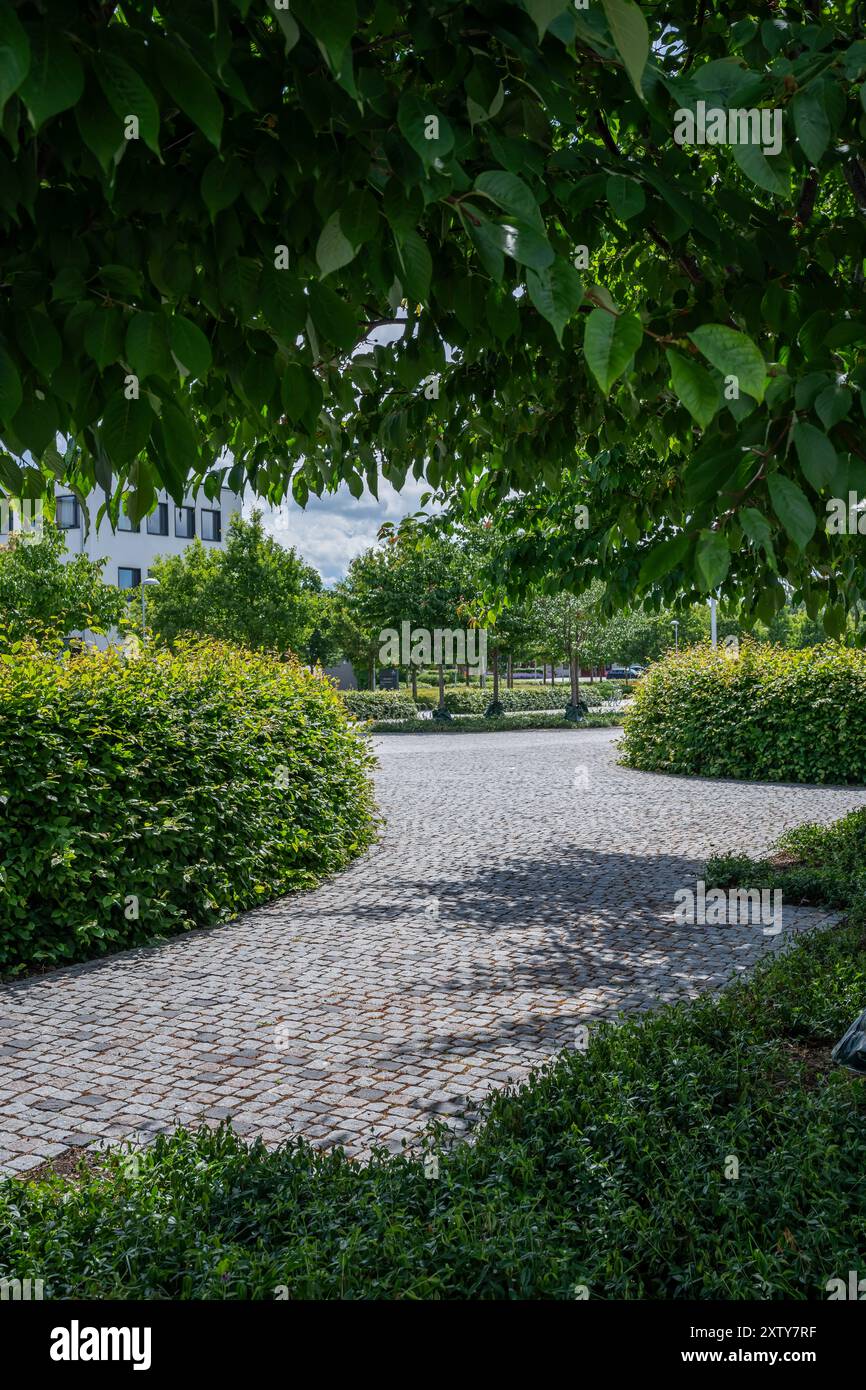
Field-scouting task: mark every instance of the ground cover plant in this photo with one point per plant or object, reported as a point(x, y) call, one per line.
point(144, 797)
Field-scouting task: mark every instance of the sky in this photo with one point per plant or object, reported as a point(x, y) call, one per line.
point(331, 530)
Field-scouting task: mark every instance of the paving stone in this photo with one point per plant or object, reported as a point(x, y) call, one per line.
point(555, 907)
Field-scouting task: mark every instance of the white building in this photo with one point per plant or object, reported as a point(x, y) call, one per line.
point(130, 551)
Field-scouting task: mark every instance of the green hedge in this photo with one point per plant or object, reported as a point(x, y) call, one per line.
point(197, 783)
point(769, 714)
point(465, 700)
point(607, 1170)
point(379, 704)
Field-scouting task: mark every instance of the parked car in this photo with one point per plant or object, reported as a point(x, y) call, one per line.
point(625, 673)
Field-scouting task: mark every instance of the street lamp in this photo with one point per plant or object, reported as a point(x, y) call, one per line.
point(676, 627)
point(144, 584)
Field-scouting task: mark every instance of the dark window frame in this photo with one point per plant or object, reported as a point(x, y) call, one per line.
point(161, 511)
point(185, 535)
point(129, 569)
point(218, 525)
point(73, 525)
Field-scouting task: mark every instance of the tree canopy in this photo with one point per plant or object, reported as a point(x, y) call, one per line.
point(47, 597)
point(207, 208)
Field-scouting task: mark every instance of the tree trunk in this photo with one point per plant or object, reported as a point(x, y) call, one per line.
point(371, 678)
point(441, 685)
point(414, 673)
point(510, 674)
point(544, 673)
point(495, 674)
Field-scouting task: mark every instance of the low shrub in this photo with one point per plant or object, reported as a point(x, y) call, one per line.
point(148, 796)
point(607, 1169)
point(464, 700)
point(768, 715)
point(477, 724)
point(819, 864)
point(379, 704)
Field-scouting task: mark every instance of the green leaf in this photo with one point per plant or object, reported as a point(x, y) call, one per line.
point(630, 35)
point(712, 560)
point(301, 395)
point(792, 508)
point(125, 428)
point(625, 195)
point(556, 292)
point(181, 444)
point(486, 240)
point(417, 266)
point(359, 217)
point(147, 346)
point(39, 340)
point(11, 392)
point(291, 32)
point(733, 354)
point(757, 167)
point(662, 559)
point(816, 454)
point(332, 22)
point(100, 129)
point(707, 474)
point(524, 244)
point(14, 54)
point(833, 404)
point(609, 344)
point(221, 184)
point(694, 386)
point(756, 527)
point(334, 319)
point(55, 80)
point(284, 304)
point(128, 95)
point(190, 87)
point(104, 336)
point(333, 249)
point(544, 12)
point(190, 346)
point(811, 123)
point(513, 196)
point(419, 121)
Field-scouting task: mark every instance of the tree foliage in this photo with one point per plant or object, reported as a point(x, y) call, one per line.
point(213, 205)
point(47, 597)
point(253, 591)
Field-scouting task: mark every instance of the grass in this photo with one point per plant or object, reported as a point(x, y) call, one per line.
point(609, 1170)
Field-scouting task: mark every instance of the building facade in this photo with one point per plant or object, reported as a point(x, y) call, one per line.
point(130, 551)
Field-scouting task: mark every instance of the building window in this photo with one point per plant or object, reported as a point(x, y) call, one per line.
point(124, 523)
point(211, 525)
point(184, 522)
point(128, 578)
point(67, 513)
point(157, 522)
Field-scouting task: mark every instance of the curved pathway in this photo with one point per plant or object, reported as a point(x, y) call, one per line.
point(524, 885)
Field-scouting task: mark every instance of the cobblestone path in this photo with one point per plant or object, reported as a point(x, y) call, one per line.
point(523, 885)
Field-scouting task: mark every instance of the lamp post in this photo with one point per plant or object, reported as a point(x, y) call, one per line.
point(676, 627)
point(144, 584)
point(713, 630)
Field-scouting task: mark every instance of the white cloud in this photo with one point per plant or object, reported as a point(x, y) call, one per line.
point(336, 527)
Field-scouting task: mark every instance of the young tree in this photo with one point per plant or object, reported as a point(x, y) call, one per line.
point(46, 597)
point(254, 591)
point(572, 628)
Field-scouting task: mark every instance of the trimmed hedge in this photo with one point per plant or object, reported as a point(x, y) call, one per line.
point(769, 715)
point(607, 1170)
point(465, 700)
point(149, 796)
point(477, 724)
point(379, 704)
